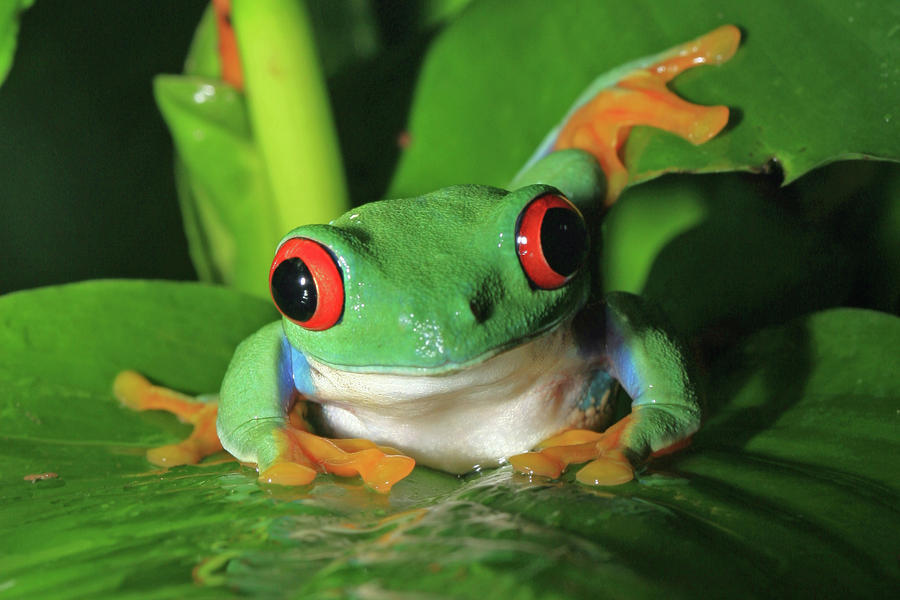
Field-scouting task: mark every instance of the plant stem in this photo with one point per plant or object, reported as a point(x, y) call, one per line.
point(289, 110)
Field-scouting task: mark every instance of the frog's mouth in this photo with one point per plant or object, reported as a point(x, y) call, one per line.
point(446, 368)
point(499, 370)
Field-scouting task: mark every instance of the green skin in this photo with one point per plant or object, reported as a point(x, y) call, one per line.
point(433, 290)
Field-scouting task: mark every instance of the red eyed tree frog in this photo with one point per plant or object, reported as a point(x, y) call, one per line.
point(467, 326)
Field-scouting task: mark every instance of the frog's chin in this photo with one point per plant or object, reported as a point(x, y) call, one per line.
point(449, 365)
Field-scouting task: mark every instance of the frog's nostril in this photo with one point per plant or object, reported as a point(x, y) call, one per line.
point(484, 298)
point(481, 309)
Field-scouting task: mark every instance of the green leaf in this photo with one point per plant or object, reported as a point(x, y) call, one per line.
point(503, 74)
point(790, 487)
point(9, 30)
point(228, 209)
point(203, 55)
point(736, 252)
point(719, 250)
point(354, 33)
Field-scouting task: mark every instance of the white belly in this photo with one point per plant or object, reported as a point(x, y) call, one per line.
point(464, 419)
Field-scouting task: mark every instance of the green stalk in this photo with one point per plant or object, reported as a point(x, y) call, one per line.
point(289, 110)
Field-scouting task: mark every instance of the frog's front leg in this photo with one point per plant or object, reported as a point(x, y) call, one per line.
point(665, 409)
point(256, 422)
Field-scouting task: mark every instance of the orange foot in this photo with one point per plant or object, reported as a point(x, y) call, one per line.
point(135, 392)
point(608, 464)
point(602, 125)
point(604, 454)
point(301, 455)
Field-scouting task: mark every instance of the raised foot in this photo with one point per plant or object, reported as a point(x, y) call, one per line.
point(602, 124)
point(134, 391)
point(301, 452)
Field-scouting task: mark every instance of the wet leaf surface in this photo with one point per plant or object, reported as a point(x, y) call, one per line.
point(790, 488)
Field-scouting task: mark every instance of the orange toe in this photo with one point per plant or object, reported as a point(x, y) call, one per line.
point(389, 471)
point(287, 473)
point(173, 455)
point(128, 387)
point(606, 470)
point(571, 437)
point(537, 463)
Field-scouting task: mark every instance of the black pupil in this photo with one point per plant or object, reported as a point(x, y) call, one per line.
point(294, 290)
point(563, 240)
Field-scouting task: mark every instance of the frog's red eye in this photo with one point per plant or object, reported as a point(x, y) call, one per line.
point(551, 240)
point(306, 284)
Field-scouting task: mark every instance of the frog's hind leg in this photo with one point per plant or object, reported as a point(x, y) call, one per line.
point(602, 123)
point(134, 391)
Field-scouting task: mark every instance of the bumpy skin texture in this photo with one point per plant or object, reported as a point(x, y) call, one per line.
point(434, 290)
point(416, 271)
point(255, 397)
point(652, 368)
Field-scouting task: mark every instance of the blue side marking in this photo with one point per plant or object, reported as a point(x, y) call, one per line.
point(622, 357)
point(600, 384)
point(300, 377)
point(293, 373)
point(285, 375)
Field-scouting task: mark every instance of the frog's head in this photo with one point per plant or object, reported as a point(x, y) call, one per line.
point(433, 283)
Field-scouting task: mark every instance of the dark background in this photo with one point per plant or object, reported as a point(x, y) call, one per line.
point(85, 159)
point(86, 182)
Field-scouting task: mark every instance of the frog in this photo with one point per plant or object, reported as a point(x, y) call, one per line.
point(465, 328)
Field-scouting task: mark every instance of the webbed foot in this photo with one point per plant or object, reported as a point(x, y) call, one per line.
point(134, 391)
point(299, 455)
point(606, 455)
point(607, 464)
point(602, 124)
